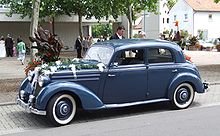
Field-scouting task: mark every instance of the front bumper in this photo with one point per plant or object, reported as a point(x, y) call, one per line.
point(29, 108)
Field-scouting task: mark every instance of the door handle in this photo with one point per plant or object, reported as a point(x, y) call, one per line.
point(174, 71)
point(111, 75)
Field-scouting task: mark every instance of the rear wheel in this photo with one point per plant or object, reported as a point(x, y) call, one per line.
point(183, 96)
point(61, 109)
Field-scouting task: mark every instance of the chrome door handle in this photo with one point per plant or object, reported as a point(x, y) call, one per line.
point(174, 71)
point(111, 75)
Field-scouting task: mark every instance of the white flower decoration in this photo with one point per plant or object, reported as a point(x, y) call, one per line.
point(53, 69)
point(76, 60)
point(46, 72)
point(58, 62)
point(44, 66)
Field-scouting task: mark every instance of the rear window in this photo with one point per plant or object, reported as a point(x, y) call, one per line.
point(159, 55)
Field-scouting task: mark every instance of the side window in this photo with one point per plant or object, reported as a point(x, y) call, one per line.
point(130, 57)
point(159, 55)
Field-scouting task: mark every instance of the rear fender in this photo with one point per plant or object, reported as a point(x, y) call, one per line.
point(88, 99)
point(194, 80)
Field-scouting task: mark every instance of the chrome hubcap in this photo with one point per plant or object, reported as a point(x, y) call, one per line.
point(183, 95)
point(63, 109)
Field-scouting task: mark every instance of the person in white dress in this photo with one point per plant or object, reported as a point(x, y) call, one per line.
point(2, 47)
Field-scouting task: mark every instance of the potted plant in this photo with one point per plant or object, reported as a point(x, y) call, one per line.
point(193, 41)
point(217, 44)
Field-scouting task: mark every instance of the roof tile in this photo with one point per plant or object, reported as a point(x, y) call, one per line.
point(204, 5)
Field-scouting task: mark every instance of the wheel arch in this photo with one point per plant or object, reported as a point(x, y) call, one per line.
point(192, 79)
point(84, 97)
point(72, 94)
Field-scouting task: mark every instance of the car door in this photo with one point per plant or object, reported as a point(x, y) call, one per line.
point(126, 80)
point(161, 70)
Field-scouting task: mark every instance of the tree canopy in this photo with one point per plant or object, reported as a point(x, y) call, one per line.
point(83, 8)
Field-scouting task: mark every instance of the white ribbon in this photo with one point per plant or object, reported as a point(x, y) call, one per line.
point(73, 68)
point(101, 66)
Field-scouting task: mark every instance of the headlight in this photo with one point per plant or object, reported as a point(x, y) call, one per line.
point(30, 75)
point(22, 94)
point(43, 80)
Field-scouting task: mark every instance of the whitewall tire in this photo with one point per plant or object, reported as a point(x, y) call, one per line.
point(183, 96)
point(61, 109)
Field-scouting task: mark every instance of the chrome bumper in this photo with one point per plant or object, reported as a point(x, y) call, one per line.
point(29, 108)
point(206, 86)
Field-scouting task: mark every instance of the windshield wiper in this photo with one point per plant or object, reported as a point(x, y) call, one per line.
point(100, 60)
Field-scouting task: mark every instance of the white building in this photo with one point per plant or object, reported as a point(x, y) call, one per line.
point(195, 16)
point(66, 27)
point(154, 24)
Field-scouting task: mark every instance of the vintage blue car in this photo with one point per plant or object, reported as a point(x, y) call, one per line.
point(115, 73)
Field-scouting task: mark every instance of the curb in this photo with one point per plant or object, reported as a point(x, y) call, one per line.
point(7, 103)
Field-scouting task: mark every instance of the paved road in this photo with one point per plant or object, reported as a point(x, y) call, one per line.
point(14, 119)
point(202, 121)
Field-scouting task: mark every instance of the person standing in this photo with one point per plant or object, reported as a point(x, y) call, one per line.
point(119, 33)
point(78, 46)
point(9, 46)
point(85, 44)
point(21, 50)
point(2, 47)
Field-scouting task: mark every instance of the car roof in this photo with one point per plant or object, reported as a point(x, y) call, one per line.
point(130, 43)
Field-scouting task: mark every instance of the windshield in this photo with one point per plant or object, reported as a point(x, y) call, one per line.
point(99, 53)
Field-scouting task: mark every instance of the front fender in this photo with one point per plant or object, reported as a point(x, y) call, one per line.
point(88, 99)
point(193, 79)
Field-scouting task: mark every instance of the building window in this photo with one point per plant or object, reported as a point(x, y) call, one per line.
point(174, 17)
point(163, 20)
point(186, 16)
point(210, 17)
point(168, 20)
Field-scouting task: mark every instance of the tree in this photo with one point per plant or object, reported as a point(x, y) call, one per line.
point(101, 30)
point(171, 3)
point(131, 7)
point(47, 8)
point(216, 1)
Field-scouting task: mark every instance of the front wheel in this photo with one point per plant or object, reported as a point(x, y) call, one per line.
point(183, 96)
point(61, 109)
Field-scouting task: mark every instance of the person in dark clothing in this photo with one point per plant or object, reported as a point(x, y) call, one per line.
point(119, 33)
point(78, 46)
point(9, 46)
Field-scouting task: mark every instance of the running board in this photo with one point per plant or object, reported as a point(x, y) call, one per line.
point(134, 103)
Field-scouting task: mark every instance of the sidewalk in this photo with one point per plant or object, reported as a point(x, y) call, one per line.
point(12, 73)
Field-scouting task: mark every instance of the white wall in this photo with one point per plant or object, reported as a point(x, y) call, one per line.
point(164, 10)
point(202, 22)
point(152, 26)
point(179, 9)
point(67, 32)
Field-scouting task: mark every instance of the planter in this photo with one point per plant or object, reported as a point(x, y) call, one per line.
point(192, 48)
point(218, 47)
point(198, 47)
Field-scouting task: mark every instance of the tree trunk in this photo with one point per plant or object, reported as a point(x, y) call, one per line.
point(34, 24)
point(80, 26)
point(53, 27)
point(129, 16)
